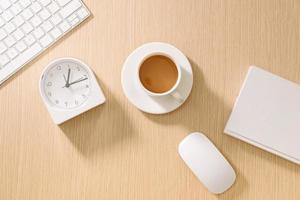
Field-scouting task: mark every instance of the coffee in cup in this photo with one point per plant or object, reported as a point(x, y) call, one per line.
point(160, 75)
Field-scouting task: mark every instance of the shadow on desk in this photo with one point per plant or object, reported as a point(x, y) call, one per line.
point(201, 111)
point(238, 188)
point(100, 129)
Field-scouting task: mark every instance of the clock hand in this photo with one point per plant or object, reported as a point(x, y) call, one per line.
point(77, 81)
point(66, 85)
point(68, 79)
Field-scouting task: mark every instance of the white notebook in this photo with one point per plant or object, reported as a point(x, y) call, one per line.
point(267, 114)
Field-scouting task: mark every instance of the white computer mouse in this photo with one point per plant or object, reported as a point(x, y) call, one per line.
point(207, 163)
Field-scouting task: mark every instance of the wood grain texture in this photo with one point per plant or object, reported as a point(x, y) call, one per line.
point(117, 152)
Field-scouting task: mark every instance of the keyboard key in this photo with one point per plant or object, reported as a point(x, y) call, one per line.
point(45, 2)
point(56, 19)
point(7, 15)
point(74, 21)
point(56, 33)
point(1, 22)
point(21, 46)
point(18, 20)
point(16, 9)
point(9, 41)
point(44, 14)
point(18, 34)
point(47, 26)
point(27, 14)
point(12, 53)
point(63, 2)
point(3, 47)
point(2, 34)
point(73, 16)
point(82, 13)
point(9, 27)
point(53, 7)
point(64, 26)
point(36, 21)
point(36, 7)
point(25, 3)
point(46, 40)
point(29, 39)
point(5, 4)
point(3, 60)
point(70, 8)
point(38, 33)
point(27, 28)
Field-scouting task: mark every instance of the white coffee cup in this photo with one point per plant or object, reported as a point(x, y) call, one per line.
point(173, 92)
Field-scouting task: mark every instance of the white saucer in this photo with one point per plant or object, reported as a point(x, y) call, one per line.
point(138, 97)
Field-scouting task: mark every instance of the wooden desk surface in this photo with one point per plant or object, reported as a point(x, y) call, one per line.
point(117, 152)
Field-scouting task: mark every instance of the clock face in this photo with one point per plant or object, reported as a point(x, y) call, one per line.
point(66, 84)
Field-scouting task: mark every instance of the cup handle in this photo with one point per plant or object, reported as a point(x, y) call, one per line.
point(177, 96)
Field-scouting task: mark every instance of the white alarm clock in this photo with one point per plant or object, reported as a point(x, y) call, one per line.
point(68, 88)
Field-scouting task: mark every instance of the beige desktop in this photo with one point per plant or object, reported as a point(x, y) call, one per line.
point(116, 151)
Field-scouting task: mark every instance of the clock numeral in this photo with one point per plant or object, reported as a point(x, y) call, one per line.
point(49, 94)
point(87, 86)
point(83, 96)
point(76, 102)
point(58, 67)
point(49, 84)
point(66, 103)
point(56, 101)
point(78, 69)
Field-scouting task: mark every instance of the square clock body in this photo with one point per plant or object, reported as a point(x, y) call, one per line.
point(68, 88)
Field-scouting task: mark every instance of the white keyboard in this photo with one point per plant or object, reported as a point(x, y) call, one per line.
point(28, 27)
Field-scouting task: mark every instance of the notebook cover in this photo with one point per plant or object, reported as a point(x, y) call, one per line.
point(267, 114)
